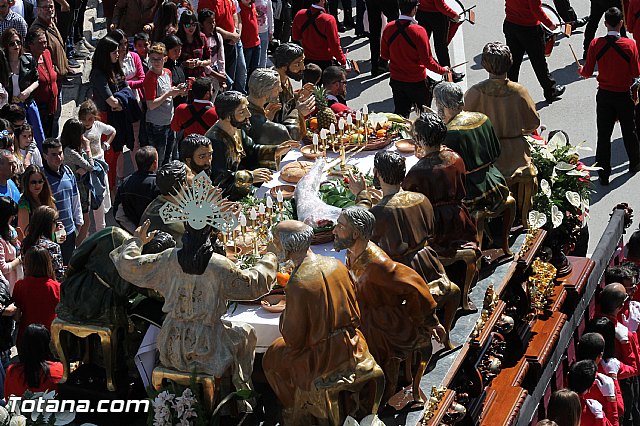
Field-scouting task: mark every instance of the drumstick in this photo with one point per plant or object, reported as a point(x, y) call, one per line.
point(574, 55)
point(459, 65)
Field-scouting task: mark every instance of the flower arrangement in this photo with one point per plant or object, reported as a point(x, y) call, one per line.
point(169, 409)
point(562, 203)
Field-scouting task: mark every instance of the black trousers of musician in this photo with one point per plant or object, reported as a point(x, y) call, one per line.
point(598, 8)
point(347, 7)
point(437, 24)
point(630, 389)
point(406, 95)
point(374, 9)
point(529, 40)
point(321, 64)
point(564, 9)
point(609, 107)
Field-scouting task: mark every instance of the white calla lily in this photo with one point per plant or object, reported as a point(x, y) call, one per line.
point(556, 216)
point(564, 166)
point(573, 198)
point(545, 187)
point(537, 219)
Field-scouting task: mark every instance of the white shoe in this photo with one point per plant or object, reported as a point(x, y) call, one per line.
point(81, 49)
point(88, 45)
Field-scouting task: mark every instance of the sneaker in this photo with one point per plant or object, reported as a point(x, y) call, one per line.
point(88, 45)
point(555, 93)
point(73, 63)
point(81, 49)
point(604, 180)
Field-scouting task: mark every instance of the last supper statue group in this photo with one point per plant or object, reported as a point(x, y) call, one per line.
point(345, 332)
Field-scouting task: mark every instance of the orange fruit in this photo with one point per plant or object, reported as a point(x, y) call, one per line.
point(282, 278)
point(381, 133)
point(313, 123)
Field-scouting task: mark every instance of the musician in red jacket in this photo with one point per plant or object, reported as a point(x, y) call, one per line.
point(523, 34)
point(406, 45)
point(597, 394)
point(617, 59)
point(317, 32)
point(436, 17)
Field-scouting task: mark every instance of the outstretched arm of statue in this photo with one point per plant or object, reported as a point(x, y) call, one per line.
point(148, 271)
point(247, 284)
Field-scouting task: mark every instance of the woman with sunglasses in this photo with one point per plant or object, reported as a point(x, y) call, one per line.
point(196, 54)
point(23, 79)
point(36, 193)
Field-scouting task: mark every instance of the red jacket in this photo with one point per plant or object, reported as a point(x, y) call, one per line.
point(16, 384)
point(633, 18)
point(317, 31)
point(437, 6)
point(616, 383)
point(408, 62)
point(182, 115)
point(249, 19)
point(610, 408)
point(224, 10)
point(527, 13)
point(37, 298)
point(616, 71)
point(587, 418)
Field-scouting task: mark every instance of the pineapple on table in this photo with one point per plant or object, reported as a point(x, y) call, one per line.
point(324, 114)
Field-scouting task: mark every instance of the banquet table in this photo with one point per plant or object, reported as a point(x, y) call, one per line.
point(265, 323)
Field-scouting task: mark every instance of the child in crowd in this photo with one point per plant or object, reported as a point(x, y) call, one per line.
point(95, 132)
point(25, 147)
point(77, 155)
point(159, 95)
point(312, 74)
point(141, 45)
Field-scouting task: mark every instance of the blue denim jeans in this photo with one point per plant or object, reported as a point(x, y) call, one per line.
point(252, 59)
point(264, 49)
point(162, 139)
point(240, 76)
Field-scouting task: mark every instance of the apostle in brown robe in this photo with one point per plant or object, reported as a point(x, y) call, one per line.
point(397, 309)
point(510, 109)
point(321, 344)
point(405, 227)
point(440, 176)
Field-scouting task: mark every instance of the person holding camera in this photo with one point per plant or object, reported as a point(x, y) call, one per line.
point(159, 93)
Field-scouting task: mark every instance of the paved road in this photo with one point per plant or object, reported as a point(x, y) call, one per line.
point(575, 113)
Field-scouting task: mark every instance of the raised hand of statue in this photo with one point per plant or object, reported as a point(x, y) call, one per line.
point(143, 233)
point(271, 110)
point(307, 90)
point(306, 103)
point(439, 333)
point(357, 183)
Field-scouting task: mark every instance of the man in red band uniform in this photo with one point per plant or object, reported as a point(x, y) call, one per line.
point(617, 59)
point(524, 35)
point(317, 32)
point(633, 19)
point(436, 17)
point(406, 45)
point(596, 11)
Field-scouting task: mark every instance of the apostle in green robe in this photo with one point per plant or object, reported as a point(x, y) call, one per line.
point(471, 135)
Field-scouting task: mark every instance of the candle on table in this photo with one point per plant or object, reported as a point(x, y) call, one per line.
point(349, 122)
point(253, 215)
point(261, 209)
point(341, 125)
point(315, 143)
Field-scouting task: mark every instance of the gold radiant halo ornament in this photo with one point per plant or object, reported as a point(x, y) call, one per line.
point(199, 205)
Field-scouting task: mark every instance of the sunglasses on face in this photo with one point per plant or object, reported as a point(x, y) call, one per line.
point(192, 25)
point(36, 182)
point(15, 43)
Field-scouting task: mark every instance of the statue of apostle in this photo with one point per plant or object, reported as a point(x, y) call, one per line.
point(197, 284)
point(264, 91)
point(404, 227)
point(471, 135)
point(398, 313)
point(321, 345)
point(238, 162)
